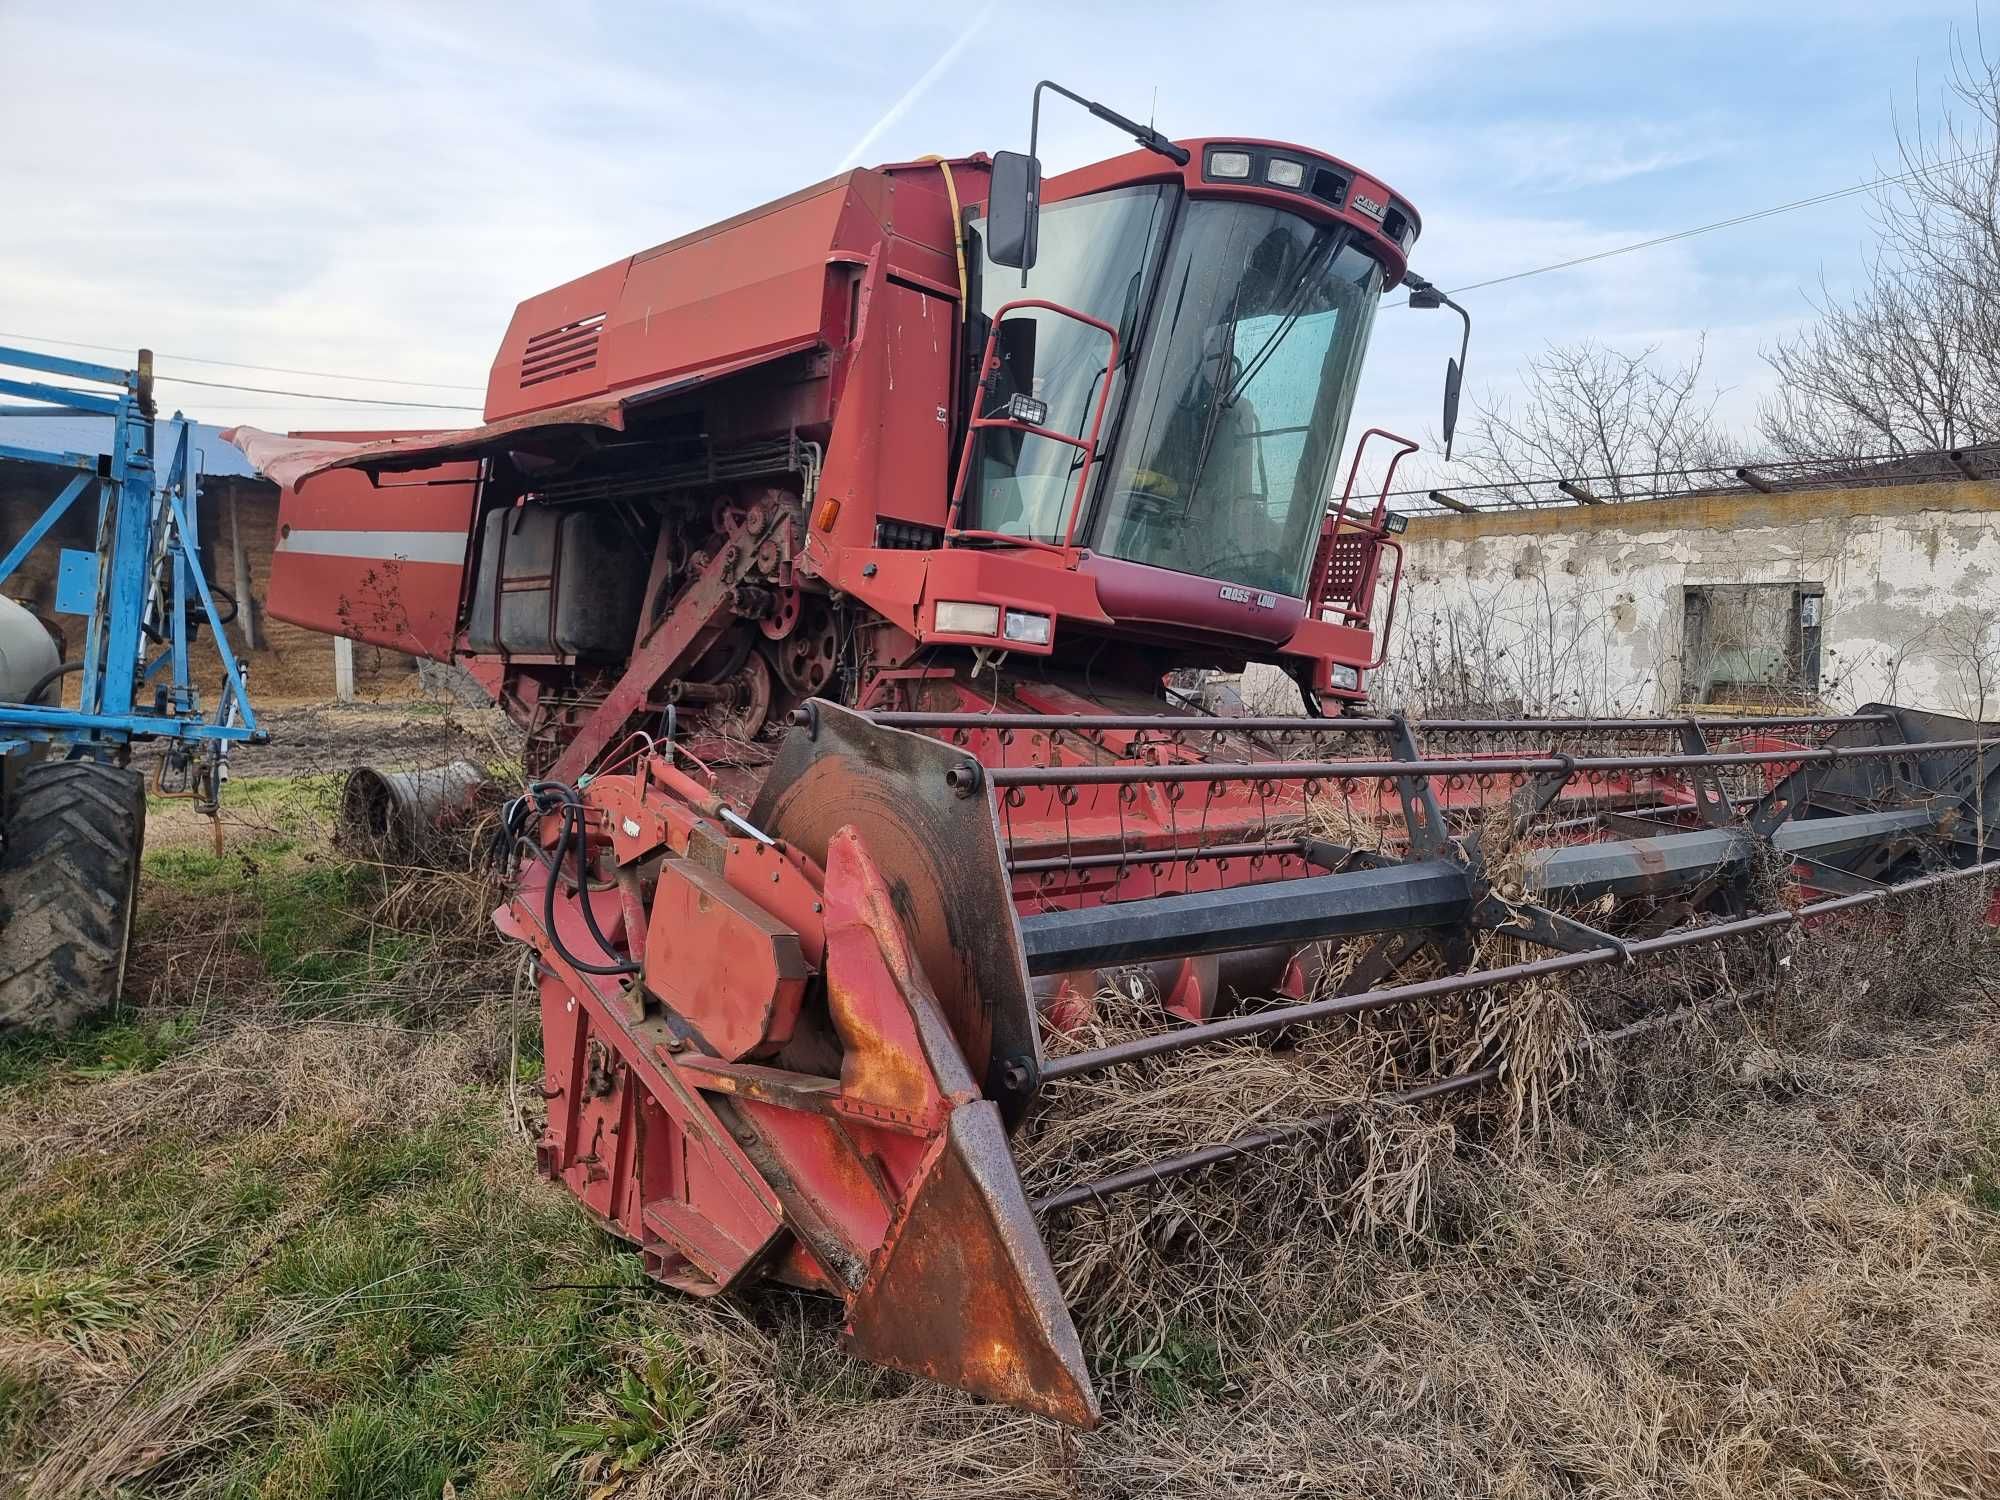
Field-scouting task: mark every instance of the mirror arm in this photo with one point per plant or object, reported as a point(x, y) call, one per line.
point(1145, 135)
point(1424, 294)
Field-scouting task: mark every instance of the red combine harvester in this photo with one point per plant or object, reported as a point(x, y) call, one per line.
point(837, 561)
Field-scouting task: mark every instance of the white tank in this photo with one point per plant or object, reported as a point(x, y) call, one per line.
point(27, 654)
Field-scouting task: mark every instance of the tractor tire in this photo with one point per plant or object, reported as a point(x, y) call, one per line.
point(69, 880)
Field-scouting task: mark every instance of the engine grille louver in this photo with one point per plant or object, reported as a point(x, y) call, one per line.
point(563, 350)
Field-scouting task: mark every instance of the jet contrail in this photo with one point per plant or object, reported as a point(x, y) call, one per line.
point(916, 90)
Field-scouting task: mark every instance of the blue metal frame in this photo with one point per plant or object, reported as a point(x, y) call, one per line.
point(149, 574)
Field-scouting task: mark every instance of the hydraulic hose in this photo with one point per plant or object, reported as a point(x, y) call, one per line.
point(54, 674)
point(558, 797)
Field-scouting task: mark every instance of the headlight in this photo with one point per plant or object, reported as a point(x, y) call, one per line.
point(954, 617)
point(1029, 630)
point(1343, 676)
point(1229, 163)
point(1282, 173)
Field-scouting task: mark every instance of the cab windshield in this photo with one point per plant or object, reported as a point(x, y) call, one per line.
point(1228, 409)
point(1247, 377)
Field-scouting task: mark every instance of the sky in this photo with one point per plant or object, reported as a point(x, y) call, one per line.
point(367, 189)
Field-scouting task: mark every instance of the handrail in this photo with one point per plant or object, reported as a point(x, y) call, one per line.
point(988, 364)
point(1389, 617)
point(1361, 606)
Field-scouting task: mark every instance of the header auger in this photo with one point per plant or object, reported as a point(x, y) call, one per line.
point(835, 561)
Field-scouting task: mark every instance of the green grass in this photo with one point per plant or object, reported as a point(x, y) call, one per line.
point(291, 804)
point(306, 916)
point(457, 1320)
point(120, 1043)
point(450, 1342)
point(1182, 1368)
point(447, 1359)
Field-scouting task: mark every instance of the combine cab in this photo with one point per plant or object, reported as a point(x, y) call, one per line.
point(836, 561)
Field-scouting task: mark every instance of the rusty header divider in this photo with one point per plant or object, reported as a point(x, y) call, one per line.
point(1189, 1161)
point(1212, 724)
point(1098, 1059)
point(967, 777)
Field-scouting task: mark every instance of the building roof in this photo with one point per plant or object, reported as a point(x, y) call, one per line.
point(82, 432)
point(1601, 494)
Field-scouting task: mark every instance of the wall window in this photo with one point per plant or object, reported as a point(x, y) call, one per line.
point(1754, 644)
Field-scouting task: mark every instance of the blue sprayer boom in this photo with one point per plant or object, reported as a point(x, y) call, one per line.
point(72, 811)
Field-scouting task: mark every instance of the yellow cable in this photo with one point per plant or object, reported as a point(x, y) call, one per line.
point(957, 226)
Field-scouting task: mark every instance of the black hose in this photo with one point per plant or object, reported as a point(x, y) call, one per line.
point(34, 694)
point(570, 806)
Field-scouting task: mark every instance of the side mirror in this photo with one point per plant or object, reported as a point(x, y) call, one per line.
point(1425, 295)
point(1452, 379)
point(1013, 210)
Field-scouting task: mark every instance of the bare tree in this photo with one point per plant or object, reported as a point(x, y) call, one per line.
point(1588, 411)
point(1970, 647)
point(1910, 362)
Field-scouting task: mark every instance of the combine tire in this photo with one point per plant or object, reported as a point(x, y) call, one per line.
point(69, 879)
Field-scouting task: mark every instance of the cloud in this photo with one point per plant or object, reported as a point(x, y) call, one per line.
point(1567, 156)
point(917, 90)
point(373, 187)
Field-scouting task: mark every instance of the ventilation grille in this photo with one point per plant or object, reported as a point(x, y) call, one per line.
point(561, 351)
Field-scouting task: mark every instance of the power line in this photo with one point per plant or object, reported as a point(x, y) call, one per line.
point(265, 390)
point(1831, 195)
point(231, 364)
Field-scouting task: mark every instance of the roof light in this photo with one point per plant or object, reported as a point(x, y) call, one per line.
point(1029, 630)
point(1282, 173)
point(957, 617)
point(1229, 163)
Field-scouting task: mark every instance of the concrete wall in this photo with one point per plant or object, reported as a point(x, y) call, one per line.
point(1580, 609)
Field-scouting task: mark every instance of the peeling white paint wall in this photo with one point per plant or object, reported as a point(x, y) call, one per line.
point(1589, 609)
point(1580, 610)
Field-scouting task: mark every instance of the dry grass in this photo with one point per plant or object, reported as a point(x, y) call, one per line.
point(1768, 1280)
point(277, 1236)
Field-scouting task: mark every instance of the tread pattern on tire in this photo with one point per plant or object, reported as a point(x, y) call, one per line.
point(69, 879)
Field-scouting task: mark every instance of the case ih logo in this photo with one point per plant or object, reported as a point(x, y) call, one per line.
point(1236, 595)
point(1366, 205)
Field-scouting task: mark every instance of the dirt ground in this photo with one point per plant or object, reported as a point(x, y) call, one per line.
point(274, 1231)
point(393, 734)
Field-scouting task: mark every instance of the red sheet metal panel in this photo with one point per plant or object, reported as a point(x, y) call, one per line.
point(741, 289)
point(290, 459)
point(744, 289)
point(383, 565)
